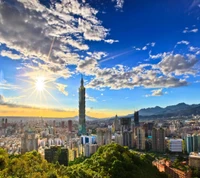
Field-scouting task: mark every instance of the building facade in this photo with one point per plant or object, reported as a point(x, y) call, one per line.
point(158, 140)
point(29, 141)
point(140, 138)
point(176, 145)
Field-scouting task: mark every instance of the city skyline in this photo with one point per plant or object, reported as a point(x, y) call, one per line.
point(130, 57)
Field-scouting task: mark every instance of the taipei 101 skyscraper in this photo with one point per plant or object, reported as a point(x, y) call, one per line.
point(82, 126)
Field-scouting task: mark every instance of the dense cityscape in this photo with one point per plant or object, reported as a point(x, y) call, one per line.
point(170, 138)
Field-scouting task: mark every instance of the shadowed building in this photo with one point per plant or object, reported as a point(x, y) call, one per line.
point(116, 124)
point(82, 126)
point(140, 138)
point(136, 118)
point(158, 140)
point(70, 126)
point(29, 141)
point(56, 153)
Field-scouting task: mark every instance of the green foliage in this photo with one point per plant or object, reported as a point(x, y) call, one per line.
point(110, 161)
point(195, 172)
point(113, 161)
point(29, 165)
point(178, 164)
point(77, 160)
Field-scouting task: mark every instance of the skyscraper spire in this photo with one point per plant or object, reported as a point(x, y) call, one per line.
point(82, 80)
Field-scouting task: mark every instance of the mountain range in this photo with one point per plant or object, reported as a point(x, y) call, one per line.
point(180, 109)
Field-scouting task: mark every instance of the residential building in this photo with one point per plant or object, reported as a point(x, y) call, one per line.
point(158, 140)
point(140, 138)
point(194, 160)
point(29, 141)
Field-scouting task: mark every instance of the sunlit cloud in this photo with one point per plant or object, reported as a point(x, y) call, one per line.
point(62, 88)
point(157, 92)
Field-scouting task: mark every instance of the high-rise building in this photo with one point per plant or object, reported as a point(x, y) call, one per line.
point(57, 153)
point(195, 142)
point(116, 124)
point(29, 142)
point(69, 125)
point(125, 123)
point(82, 126)
point(119, 139)
point(127, 138)
point(158, 140)
point(136, 118)
point(104, 136)
point(140, 138)
point(63, 124)
point(189, 143)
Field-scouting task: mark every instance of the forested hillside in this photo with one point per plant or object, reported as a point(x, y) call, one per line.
point(110, 161)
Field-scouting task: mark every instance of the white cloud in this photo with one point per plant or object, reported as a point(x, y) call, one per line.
point(115, 78)
point(153, 44)
point(144, 48)
point(183, 42)
point(197, 81)
point(178, 64)
point(119, 4)
point(110, 41)
point(90, 98)
point(11, 55)
point(2, 99)
point(157, 92)
point(62, 88)
point(195, 30)
point(159, 55)
point(196, 50)
point(138, 49)
point(97, 55)
point(31, 29)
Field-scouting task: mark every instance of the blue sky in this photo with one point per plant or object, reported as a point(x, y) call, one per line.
point(132, 54)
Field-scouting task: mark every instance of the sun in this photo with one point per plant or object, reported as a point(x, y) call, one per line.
point(40, 84)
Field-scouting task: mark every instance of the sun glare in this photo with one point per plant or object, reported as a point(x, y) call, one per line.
point(40, 84)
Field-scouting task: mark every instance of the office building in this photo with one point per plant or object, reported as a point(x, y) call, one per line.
point(104, 136)
point(93, 148)
point(56, 153)
point(158, 140)
point(116, 124)
point(127, 139)
point(140, 138)
point(119, 138)
point(70, 126)
point(82, 125)
point(176, 145)
point(195, 143)
point(136, 118)
point(89, 149)
point(125, 123)
point(88, 139)
point(29, 141)
point(189, 143)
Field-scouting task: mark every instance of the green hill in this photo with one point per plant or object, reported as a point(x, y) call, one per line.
point(110, 161)
point(115, 161)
